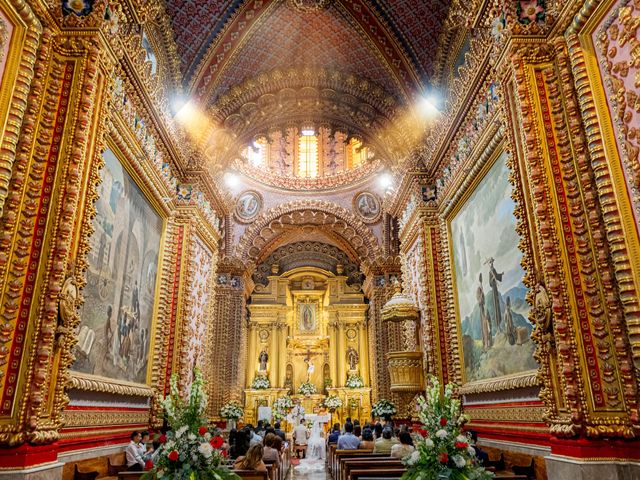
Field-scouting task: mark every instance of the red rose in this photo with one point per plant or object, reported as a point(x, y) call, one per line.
point(216, 442)
point(162, 438)
point(224, 453)
point(202, 431)
point(443, 457)
point(173, 455)
point(423, 433)
point(148, 465)
point(443, 422)
point(462, 444)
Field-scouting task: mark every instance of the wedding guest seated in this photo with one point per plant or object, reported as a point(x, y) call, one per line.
point(335, 433)
point(384, 444)
point(254, 438)
point(481, 454)
point(357, 430)
point(271, 455)
point(260, 428)
point(279, 432)
point(348, 441)
point(377, 430)
point(146, 450)
point(239, 443)
point(277, 443)
point(252, 460)
point(405, 447)
point(367, 442)
point(348, 420)
point(135, 462)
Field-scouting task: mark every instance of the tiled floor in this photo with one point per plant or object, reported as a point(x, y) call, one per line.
point(296, 475)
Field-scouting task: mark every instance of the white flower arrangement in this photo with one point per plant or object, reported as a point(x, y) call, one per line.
point(188, 450)
point(383, 408)
point(444, 451)
point(332, 402)
point(231, 411)
point(261, 382)
point(307, 388)
point(281, 407)
point(354, 381)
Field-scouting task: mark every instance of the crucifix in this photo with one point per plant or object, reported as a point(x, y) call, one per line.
point(310, 366)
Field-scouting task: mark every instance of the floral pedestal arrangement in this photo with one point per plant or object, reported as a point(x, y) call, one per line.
point(231, 412)
point(383, 409)
point(444, 451)
point(188, 451)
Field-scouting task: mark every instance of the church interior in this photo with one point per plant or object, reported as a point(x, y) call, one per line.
point(331, 210)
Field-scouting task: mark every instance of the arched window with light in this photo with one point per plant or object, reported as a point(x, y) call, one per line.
point(308, 154)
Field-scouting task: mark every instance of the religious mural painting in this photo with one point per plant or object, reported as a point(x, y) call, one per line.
point(116, 318)
point(248, 205)
point(307, 321)
point(367, 205)
point(490, 295)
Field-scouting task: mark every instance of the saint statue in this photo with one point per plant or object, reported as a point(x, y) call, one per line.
point(352, 358)
point(263, 358)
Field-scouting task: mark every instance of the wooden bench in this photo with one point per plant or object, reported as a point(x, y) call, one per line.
point(343, 454)
point(252, 474)
point(347, 465)
point(385, 473)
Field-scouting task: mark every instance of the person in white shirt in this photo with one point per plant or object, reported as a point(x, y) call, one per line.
point(135, 463)
point(300, 434)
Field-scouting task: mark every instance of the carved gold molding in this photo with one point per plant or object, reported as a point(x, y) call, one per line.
point(96, 418)
point(100, 384)
point(510, 382)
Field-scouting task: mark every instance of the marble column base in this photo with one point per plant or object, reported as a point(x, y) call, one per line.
point(41, 472)
point(578, 469)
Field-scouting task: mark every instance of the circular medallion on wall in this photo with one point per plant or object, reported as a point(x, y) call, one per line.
point(248, 206)
point(351, 334)
point(263, 334)
point(367, 206)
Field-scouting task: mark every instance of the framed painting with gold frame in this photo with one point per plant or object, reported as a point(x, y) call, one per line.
point(19, 38)
point(494, 333)
point(117, 327)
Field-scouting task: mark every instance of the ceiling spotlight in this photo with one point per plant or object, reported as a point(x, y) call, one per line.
point(429, 105)
point(231, 180)
point(385, 180)
point(308, 132)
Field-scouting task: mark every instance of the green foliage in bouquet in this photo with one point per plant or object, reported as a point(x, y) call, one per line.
point(332, 402)
point(189, 451)
point(444, 451)
point(354, 381)
point(281, 407)
point(261, 382)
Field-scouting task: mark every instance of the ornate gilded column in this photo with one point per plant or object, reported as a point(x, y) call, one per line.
point(405, 366)
point(340, 351)
point(364, 359)
point(333, 345)
point(275, 355)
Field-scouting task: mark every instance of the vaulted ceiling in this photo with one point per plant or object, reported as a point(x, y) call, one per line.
point(222, 42)
point(231, 52)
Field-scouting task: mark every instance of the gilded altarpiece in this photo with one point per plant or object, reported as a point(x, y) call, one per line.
point(303, 327)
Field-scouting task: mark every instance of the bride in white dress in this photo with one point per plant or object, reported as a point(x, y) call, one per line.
point(316, 452)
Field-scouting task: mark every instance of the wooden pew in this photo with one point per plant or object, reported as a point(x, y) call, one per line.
point(252, 474)
point(386, 473)
point(377, 463)
point(344, 454)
